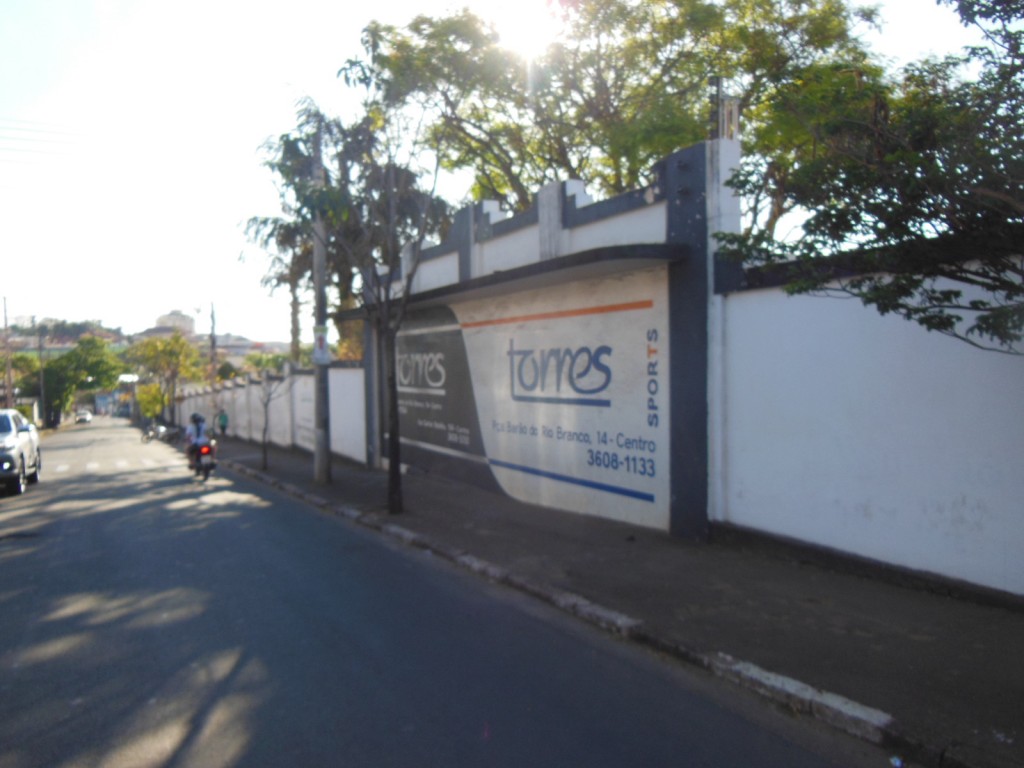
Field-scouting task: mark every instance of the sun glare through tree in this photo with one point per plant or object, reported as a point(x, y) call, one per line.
point(526, 28)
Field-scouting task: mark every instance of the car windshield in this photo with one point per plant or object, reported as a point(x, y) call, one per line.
point(5, 423)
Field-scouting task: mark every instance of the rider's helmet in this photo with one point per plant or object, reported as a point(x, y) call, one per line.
point(197, 418)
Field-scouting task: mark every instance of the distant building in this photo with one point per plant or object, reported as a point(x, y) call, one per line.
point(230, 347)
point(179, 321)
point(159, 332)
point(233, 349)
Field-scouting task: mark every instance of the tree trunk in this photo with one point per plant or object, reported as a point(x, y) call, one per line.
point(395, 505)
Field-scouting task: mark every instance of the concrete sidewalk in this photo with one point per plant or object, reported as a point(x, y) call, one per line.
point(934, 672)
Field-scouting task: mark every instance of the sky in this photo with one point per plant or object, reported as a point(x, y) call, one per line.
point(132, 136)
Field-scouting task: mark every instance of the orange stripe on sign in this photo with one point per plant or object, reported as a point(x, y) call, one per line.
point(562, 314)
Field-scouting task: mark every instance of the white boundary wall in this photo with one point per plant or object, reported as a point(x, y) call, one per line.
point(869, 435)
point(302, 402)
point(290, 410)
point(347, 402)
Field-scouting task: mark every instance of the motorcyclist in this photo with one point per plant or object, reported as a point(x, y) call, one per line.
point(196, 435)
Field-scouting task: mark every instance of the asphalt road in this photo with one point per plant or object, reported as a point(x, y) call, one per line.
point(150, 620)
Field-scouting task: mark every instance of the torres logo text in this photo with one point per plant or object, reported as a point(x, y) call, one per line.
point(560, 375)
point(422, 372)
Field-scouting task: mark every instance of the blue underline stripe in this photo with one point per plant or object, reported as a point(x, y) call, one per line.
point(575, 480)
point(598, 403)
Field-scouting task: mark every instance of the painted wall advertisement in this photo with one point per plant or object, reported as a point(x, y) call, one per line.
point(558, 396)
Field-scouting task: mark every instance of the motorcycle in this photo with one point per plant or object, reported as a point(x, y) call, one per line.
point(161, 433)
point(202, 458)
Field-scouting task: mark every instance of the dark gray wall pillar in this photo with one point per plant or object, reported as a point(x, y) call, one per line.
point(684, 174)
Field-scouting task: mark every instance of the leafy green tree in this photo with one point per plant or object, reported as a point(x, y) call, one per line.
point(290, 237)
point(260, 362)
point(226, 371)
point(382, 213)
point(912, 193)
point(152, 400)
point(101, 366)
point(90, 365)
point(626, 85)
point(369, 204)
point(25, 368)
point(65, 331)
point(166, 362)
point(292, 250)
point(61, 380)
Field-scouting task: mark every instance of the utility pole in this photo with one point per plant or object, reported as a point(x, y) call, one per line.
point(321, 357)
point(213, 344)
point(213, 364)
point(8, 371)
point(42, 377)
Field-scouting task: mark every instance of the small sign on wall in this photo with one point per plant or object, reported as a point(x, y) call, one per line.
point(321, 350)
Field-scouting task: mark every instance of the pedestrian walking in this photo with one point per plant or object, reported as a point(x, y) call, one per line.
point(222, 422)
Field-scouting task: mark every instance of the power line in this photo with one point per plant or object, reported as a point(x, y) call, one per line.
point(29, 150)
point(24, 142)
point(37, 126)
point(7, 134)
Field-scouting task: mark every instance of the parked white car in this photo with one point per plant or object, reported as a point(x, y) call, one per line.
point(20, 456)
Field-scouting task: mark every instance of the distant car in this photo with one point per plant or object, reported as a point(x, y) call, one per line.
point(20, 457)
point(83, 417)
